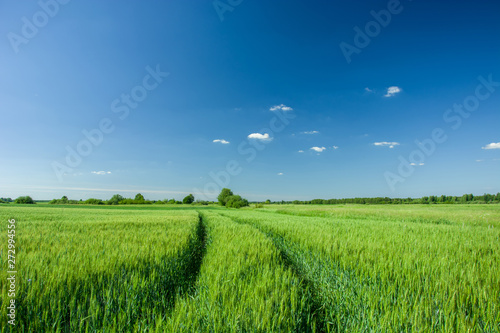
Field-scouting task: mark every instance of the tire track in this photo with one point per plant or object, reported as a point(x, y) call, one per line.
point(292, 260)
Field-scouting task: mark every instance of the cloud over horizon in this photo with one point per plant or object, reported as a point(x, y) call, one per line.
point(259, 136)
point(391, 91)
point(493, 145)
point(100, 173)
point(318, 149)
point(224, 142)
point(281, 107)
point(386, 144)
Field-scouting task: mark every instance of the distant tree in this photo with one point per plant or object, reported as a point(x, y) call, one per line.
point(317, 201)
point(127, 201)
point(236, 201)
point(171, 201)
point(115, 199)
point(188, 199)
point(93, 201)
point(6, 199)
point(224, 195)
point(24, 200)
point(268, 202)
point(139, 198)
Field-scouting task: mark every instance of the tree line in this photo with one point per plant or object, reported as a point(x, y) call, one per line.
point(433, 199)
point(228, 199)
point(118, 199)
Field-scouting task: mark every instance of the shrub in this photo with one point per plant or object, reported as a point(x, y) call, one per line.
point(93, 201)
point(188, 199)
point(24, 200)
point(139, 199)
point(236, 201)
point(224, 196)
point(115, 199)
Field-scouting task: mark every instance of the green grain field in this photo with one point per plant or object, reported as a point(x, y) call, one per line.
point(280, 268)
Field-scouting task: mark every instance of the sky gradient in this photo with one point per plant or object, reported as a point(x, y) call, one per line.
point(175, 97)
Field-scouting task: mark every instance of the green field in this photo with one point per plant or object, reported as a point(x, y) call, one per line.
point(280, 268)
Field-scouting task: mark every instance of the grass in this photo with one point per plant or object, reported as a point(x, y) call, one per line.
point(393, 274)
point(82, 269)
point(280, 268)
point(243, 286)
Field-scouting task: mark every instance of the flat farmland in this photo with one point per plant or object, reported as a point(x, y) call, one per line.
point(280, 268)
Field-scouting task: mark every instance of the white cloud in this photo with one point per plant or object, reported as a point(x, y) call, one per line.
point(479, 160)
point(281, 107)
point(310, 132)
point(259, 136)
point(224, 142)
point(417, 164)
point(100, 173)
point(368, 90)
point(280, 173)
point(386, 144)
point(493, 145)
point(318, 149)
point(391, 91)
point(301, 151)
point(335, 147)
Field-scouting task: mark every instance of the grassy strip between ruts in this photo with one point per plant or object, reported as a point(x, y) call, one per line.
point(242, 287)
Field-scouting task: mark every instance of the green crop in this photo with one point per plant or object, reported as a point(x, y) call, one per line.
point(281, 268)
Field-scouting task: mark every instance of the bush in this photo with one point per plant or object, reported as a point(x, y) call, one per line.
point(115, 199)
point(224, 196)
point(139, 199)
point(93, 201)
point(24, 200)
point(188, 199)
point(236, 201)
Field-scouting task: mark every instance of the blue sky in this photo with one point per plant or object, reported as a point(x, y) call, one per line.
point(342, 124)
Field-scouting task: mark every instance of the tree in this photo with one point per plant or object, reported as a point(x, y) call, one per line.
point(268, 202)
point(188, 199)
point(115, 199)
point(224, 195)
point(93, 201)
point(24, 200)
point(139, 198)
point(236, 201)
